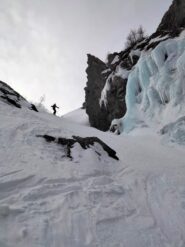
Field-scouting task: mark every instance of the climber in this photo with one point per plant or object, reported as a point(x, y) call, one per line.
point(54, 108)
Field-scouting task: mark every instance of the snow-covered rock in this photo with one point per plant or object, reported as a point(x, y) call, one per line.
point(11, 97)
point(93, 143)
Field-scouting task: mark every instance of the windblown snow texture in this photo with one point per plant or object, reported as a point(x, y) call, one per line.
point(49, 200)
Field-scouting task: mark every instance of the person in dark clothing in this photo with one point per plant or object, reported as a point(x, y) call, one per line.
point(54, 108)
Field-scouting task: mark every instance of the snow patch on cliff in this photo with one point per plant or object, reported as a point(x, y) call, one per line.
point(120, 72)
point(103, 99)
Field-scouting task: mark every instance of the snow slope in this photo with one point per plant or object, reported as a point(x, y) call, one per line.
point(78, 116)
point(47, 200)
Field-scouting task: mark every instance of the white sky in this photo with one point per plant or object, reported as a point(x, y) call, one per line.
point(43, 43)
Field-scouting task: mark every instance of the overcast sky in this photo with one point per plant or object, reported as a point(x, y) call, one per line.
point(43, 43)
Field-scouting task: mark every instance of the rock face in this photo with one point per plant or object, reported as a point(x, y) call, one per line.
point(116, 98)
point(98, 117)
point(174, 17)
point(109, 80)
point(11, 97)
point(101, 115)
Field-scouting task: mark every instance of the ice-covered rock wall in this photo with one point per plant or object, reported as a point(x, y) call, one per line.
point(156, 86)
point(144, 84)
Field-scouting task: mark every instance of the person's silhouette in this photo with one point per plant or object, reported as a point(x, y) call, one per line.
point(54, 108)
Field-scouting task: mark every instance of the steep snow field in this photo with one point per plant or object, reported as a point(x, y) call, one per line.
point(47, 200)
point(78, 116)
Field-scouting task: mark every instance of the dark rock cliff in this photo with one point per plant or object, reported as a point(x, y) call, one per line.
point(174, 18)
point(101, 115)
point(95, 84)
point(98, 73)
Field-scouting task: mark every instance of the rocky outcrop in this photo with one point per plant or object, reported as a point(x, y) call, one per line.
point(101, 115)
point(174, 17)
point(85, 143)
point(98, 116)
point(11, 97)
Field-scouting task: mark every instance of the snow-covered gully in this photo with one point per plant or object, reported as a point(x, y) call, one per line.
point(48, 200)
